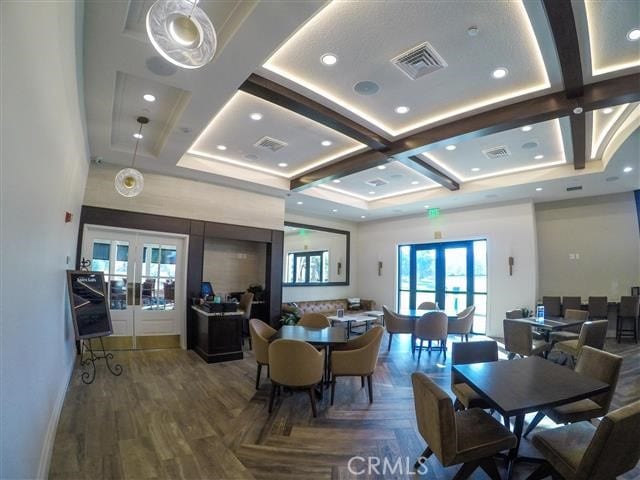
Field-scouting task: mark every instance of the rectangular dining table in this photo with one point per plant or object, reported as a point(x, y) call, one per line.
point(548, 325)
point(517, 387)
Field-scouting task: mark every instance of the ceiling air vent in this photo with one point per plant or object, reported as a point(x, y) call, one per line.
point(376, 182)
point(270, 144)
point(573, 189)
point(497, 152)
point(419, 61)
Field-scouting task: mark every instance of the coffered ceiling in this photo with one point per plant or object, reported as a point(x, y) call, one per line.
point(302, 101)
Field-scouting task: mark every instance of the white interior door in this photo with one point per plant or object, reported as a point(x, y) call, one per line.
point(145, 276)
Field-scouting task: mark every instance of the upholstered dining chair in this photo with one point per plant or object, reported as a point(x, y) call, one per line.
point(518, 340)
point(462, 323)
point(468, 437)
point(518, 313)
point(598, 308)
point(592, 363)
point(592, 334)
point(570, 333)
point(462, 354)
point(357, 358)
point(397, 324)
point(628, 311)
point(432, 326)
point(260, 335)
point(245, 305)
point(571, 303)
point(297, 365)
point(428, 306)
point(580, 451)
point(552, 307)
point(314, 320)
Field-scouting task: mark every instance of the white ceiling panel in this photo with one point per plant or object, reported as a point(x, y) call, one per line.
point(366, 40)
point(604, 123)
point(280, 141)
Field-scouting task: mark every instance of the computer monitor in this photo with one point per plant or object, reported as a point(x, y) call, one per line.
point(206, 290)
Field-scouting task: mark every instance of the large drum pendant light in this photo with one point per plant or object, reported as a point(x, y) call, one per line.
point(181, 32)
point(129, 182)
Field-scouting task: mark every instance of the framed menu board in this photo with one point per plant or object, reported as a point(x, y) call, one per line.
point(89, 306)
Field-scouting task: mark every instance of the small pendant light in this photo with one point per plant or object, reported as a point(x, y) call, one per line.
point(129, 182)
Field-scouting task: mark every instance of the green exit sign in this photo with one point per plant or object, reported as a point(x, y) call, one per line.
point(433, 212)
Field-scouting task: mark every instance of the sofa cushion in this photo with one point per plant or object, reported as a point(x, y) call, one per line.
point(330, 307)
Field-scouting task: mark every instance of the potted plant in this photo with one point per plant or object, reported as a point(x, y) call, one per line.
point(257, 290)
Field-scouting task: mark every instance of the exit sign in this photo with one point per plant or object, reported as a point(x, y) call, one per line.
point(433, 212)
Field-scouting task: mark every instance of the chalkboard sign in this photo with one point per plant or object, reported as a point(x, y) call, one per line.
point(89, 307)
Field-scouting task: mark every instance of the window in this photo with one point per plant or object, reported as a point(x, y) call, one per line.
point(308, 267)
point(452, 274)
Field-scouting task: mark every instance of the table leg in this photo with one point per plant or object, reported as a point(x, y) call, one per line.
point(348, 329)
point(513, 453)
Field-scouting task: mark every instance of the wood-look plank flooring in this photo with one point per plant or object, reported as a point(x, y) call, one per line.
point(170, 415)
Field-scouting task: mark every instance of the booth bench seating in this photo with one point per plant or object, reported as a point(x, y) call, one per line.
point(330, 307)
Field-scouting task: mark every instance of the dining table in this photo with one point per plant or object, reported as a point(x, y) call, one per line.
point(520, 386)
point(413, 313)
point(548, 325)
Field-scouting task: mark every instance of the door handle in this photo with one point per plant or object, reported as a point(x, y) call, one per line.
point(130, 293)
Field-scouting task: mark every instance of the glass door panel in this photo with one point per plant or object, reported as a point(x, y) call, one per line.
point(404, 276)
point(455, 279)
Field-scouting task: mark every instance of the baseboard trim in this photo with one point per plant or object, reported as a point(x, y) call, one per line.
point(52, 427)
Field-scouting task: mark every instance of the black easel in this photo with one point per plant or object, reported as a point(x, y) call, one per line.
point(89, 376)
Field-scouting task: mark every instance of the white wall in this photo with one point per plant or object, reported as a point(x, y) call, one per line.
point(509, 230)
point(603, 231)
point(44, 168)
point(233, 265)
point(179, 197)
point(294, 294)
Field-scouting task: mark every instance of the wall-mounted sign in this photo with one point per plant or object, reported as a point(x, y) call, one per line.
point(433, 212)
point(89, 307)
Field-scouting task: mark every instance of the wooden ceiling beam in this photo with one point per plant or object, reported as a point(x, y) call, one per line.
point(579, 140)
point(277, 94)
point(420, 165)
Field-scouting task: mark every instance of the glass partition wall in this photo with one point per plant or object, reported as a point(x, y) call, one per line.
point(452, 274)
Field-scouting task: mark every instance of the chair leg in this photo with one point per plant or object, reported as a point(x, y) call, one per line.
point(370, 385)
point(511, 356)
point(258, 376)
point(466, 337)
point(362, 381)
point(543, 471)
point(390, 338)
point(534, 423)
point(466, 470)
point(428, 346)
point(333, 388)
point(420, 351)
point(507, 422)
point(312, 397)
point(272, 396)
point(490, 468)
point(458, 405)
point(423, 458)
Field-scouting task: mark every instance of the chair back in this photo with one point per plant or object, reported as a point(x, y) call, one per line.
point(260, 334)
point(396, 323)
point(428, 306)
point(516, 313)
point(432, 326)
point(315, 320)
point(552, 307)
point(576, 314)
point(363, 351)
point(295, 363)
point(245, 304)
point(598, 307)
point(463, 323)
point(593, 334)
point(518, 337)
point(571, 303)
point(613, 450)
point(603, 366)
point(435, 416)
point(629, 307)
point(463, 353)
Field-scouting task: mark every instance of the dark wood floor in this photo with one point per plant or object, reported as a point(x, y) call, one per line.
point(170, 415)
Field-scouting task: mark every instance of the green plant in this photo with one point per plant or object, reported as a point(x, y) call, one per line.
point(257, 290)
point(525, 312)
point(290, 314)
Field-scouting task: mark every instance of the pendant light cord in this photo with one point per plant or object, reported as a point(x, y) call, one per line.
point(193, 8)
point(135, 150)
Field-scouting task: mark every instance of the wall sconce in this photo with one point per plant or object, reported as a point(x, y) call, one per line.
point(339, 268)
point(379, 268)
point(510, 266)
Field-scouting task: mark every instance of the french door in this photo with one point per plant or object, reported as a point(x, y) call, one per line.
point(145, 278)
point(451, 274)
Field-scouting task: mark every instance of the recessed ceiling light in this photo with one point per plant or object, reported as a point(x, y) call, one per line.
point(256, 116)
point(326, 143)
point(475, 169)
point(539, 189)
point(381, 167)
point(337, 180)
point(578, 110)
point(363, 216)
point(221, 147)
point(426, 206)
point(607, 110)
point(137, 135)
point(415, 182)
point(372, 192)
point(633, 34)
point(282, 165)
point(527, 128)
point(499, 73)
point(329, 59)
point(402, 109)
point(538, 157)
point(334, 210)
point(299, 203)
point(450, 147)
point(149, 98)
point(627, 169)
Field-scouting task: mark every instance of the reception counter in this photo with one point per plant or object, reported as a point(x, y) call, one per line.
point(219, 335)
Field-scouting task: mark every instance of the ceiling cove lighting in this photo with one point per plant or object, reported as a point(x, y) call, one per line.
point(499, 73)
point(149, 98)
point(181, 32)
point(329, 59)
point(129, 182)
point(633, 35)
point(527, 128)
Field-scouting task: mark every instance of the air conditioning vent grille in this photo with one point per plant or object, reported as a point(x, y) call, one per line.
point(419, 61)
point(573, 189)
point(376, 182)
point(497, 152)
point(270, 144)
